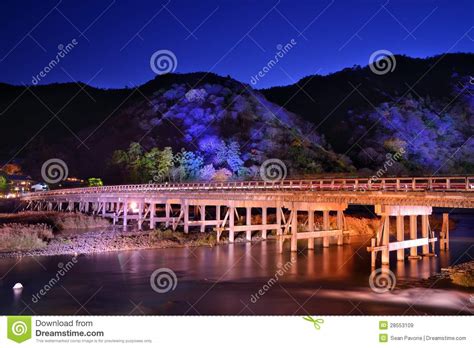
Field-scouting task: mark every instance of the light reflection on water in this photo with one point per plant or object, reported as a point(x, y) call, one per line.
point(222, 280)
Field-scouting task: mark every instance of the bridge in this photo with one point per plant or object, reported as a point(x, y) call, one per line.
point(286, 207)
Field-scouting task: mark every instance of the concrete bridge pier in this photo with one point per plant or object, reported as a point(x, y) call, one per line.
point(340, 226)
point(202, 209)
point(218, 215)
point(153, 216)
point(185, 209)
point(231, 213)
point(444, 234)
point(326, 228)
point(310, 234)
point(294, 228)
point(311, 228)
point(382, 241)
point(413, 235)
point(264, 222)
point(125, 214)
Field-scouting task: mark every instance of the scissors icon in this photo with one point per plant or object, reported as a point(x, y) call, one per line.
point(316, 322)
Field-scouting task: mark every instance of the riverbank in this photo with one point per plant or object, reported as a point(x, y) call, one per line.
point(449, 277)
point(57, 221)
point(111, 239)
point(56, 233)
point(72, 234)
point(34, 231)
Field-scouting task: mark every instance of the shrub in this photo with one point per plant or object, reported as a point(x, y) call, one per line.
point(463, 278)
point(15, 237)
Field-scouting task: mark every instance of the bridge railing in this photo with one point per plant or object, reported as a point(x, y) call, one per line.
point(403, 184)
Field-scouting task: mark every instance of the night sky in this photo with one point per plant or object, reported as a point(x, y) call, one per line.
point(115, 39)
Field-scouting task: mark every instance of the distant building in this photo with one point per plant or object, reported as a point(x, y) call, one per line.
point(40, 186)
point(19, 183)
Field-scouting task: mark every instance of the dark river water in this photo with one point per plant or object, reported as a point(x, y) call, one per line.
point(226, 280)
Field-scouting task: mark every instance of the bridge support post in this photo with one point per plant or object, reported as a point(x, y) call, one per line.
point(386, 240)
point(424, 234)
point(248, 222)
point(413, 235)
point(444, 242)
point(104, 209)
point(231, 223)
point(373, 253)
point(386, 211)
point(400, 237)
point(311, 228)
point(218, 215)
point(203, 218)
point(294, 228)
point(116, 208)
point(325, 227)
point(153, 215)
point(186, 215)
point(140, 215)
point(340, 226)
point(264, 222)
point(125, 214)
point(167, 214)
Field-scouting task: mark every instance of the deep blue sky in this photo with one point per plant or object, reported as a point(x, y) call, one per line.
point(337, 34)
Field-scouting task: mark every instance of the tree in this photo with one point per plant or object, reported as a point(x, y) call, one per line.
point(149, 164)
point(207, 172)
point(190, 164)
point(3, 184)
point(229, 156)
point(135, 162)
point(95, 182)
point(234, 161)
point(165, 164)
point(131, 162)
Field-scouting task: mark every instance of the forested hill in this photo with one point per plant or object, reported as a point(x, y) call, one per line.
point(346, 122)
point(424, 105)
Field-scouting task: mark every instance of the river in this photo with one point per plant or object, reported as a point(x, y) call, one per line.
point(235, 279)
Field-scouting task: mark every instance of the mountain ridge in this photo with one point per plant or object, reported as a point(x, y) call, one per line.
point(339, 108)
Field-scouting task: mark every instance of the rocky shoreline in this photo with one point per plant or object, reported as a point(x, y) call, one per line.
point(76, 234)
point(458, 275)
point(111, 239)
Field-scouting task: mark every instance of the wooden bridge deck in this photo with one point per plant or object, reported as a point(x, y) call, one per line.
point(448, 192)
point(223, 206)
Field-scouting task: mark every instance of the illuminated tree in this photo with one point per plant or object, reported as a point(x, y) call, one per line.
point(3, 184)
point(94, 182)
point(207, 172)
point(229, 155)
point(190, 164)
